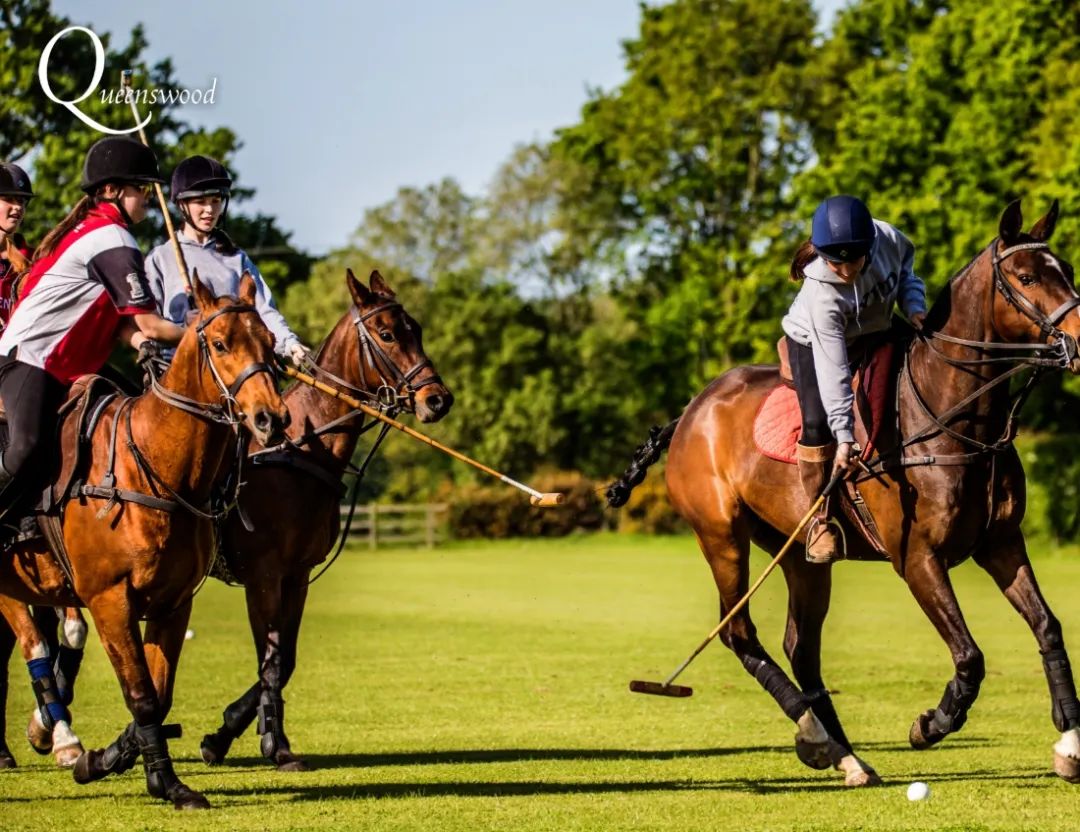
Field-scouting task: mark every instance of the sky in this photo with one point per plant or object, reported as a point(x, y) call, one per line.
point(340, 104)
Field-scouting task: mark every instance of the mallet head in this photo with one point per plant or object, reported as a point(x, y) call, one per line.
point(660, 689)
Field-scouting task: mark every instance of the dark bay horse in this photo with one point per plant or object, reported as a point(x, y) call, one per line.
point(292, 496)
point(951, 487)
point(139, 546)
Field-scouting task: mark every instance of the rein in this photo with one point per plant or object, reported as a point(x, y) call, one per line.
point(1038, 356)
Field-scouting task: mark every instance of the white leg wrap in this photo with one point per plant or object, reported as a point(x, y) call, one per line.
point(40, 651)
point(74, 633)
point(810, 729)
point(1069, 744)
point(63, 736)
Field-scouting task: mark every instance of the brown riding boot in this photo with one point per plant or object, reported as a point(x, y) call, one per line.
point(824, 543)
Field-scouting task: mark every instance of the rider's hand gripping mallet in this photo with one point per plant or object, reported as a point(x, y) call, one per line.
point(537, 498)
point(665, 688)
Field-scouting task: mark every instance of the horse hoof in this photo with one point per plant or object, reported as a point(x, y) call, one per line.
point(6, 759)
point(67, 756)
point(38, 736)
point(814, 754)
point(184, 798)
point(213, 753)
point(292, 763)
point(862, 779)
point(85, 770)
point(1067, 768)
point(921, 736)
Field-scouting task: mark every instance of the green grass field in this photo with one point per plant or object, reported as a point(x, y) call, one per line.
point(484, 686)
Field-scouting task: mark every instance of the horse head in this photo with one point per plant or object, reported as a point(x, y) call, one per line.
point(390, 358)
point(1034, 299)
point(236, 360)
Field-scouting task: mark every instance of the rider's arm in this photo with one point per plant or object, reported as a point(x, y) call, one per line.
point(152, 325)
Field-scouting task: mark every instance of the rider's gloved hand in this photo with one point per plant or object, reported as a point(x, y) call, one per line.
point(148, 350)
point(847, 453)
point(300, 355)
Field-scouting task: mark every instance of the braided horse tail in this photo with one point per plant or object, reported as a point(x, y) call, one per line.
point(647, 453)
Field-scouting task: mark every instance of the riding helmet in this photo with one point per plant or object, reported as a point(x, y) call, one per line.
point(199, 176)
point(119, 159)
point(843, 230)
point(14, 181)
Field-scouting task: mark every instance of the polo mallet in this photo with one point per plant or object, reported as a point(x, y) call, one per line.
point(665, 688)
point(537, 498)
point(125, 83)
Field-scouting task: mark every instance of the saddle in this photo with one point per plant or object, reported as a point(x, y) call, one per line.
point(778, 422)
point(778, 426)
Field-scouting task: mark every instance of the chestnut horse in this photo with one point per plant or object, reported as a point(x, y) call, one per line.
point(951, 487)
point(140, 540)
point(292, 496)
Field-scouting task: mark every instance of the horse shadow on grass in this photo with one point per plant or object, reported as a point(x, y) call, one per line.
point(515, 755)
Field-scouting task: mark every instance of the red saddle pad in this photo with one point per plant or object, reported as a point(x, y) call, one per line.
point(778, 422)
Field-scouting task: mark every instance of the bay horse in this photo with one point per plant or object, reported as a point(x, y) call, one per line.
point(138, 536)
point(951, 487)
point(292, 496)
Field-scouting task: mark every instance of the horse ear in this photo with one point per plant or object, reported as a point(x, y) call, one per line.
point(204, 298)
point(1044, 228)
point(247, 289)
point(379, 286)
point(360, 293)
point(1012, 223)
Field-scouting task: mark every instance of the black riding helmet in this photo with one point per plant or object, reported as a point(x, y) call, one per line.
point(119, 159)
point(14, 181)
point(199, 176)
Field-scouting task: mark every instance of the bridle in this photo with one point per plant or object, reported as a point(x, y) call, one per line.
point(1037, 356)
point(227, 409)
point(396, 387)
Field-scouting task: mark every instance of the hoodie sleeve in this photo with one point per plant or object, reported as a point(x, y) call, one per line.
point(911, 293)
point(284, 338)
point(831, 367)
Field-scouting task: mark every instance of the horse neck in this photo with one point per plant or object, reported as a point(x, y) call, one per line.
point(311, 409)
point(969, 302)
point(187, 451)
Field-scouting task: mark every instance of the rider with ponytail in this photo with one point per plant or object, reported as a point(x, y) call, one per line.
point(85, 288)
point(15, 193)
point(852, 269)
point(200, 189)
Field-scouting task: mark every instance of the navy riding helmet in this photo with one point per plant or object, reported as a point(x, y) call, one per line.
point(843, 230)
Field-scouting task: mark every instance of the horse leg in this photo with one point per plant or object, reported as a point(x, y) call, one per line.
point(239, 715)
point(809, 592)
point(1007, 563)
point(118, 629)
point(280, 614)
point(236, 719)
point(51, 713)
point(929, 584)
point(68, 650)
point(725, 541)
point(7, 644)
point(293, 597)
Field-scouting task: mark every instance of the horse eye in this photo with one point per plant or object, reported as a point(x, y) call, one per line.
point(388, 337)
point(1028, 279)
point(219, 345)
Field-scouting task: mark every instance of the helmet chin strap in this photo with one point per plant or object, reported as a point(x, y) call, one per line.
point(186, 213)
point(119, 207)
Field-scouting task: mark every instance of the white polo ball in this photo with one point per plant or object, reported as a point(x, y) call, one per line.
point(189, 635)
point(918, 791)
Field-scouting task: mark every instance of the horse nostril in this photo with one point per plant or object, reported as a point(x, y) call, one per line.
point(434, 403)
point(264, 421)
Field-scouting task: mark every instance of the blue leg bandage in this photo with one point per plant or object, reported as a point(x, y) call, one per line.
point(43, 682)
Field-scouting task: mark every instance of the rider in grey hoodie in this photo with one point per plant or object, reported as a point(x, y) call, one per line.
point(853, 269)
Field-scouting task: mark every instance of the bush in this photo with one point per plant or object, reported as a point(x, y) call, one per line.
point(1053, 479)
point(498, 512)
